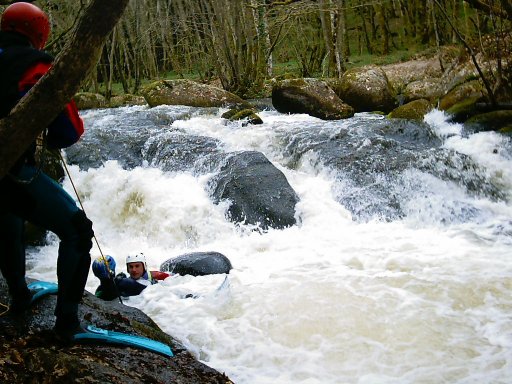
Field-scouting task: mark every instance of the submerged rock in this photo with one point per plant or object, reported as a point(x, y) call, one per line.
point(197, 264)
point(241, 114)
point(258, 192)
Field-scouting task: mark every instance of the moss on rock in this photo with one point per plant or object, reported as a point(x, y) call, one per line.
point(415, 110)
point(490, 121)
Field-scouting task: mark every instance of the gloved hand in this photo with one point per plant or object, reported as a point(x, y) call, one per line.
point(120, 276)
point(100, 269)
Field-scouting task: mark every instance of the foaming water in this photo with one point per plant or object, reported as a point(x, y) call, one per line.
point(331, 300)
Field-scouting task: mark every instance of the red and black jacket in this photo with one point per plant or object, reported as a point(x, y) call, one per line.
point(21, 66)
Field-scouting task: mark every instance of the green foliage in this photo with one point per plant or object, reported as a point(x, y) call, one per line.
point(229, 41)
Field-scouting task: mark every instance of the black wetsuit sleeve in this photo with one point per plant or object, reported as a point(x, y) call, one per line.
point(107, 290)
point(129, 287)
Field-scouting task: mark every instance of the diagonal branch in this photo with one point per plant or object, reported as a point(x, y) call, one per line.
point(49, 96)
point(503, 12)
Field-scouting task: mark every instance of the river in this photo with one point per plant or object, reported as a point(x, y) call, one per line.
point(398, 271)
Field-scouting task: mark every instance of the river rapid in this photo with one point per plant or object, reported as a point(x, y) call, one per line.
point(398, 271)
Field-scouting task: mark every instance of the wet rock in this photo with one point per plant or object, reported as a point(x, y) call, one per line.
point(463, 110)
point(197, 264)
point(415, 110)
point(309, 96)
point(178, 152)
point(240, 114)
point(490, 121)
point(258, 192)
point(30, 353)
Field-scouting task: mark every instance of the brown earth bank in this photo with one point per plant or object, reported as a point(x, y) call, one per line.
point(30, 352)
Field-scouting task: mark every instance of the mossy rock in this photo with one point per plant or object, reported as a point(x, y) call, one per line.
point(507, 130)
point(366, 89)
point(415, 110)
point(190, 93)
point(470, 90)
point(462, 111)
point(430, 89)
point(311, 96)
point(126, 100)
point(490, 121)
point(237, 114)
point(90, 100)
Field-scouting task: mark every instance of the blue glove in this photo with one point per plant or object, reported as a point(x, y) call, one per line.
point(99, 268)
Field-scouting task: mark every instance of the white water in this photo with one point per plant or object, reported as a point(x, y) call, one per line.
point(330, 300)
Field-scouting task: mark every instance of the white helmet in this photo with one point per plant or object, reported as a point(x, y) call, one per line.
point(138, 258)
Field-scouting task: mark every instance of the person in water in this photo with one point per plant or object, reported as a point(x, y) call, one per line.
point(121, 285)
point(26, 192)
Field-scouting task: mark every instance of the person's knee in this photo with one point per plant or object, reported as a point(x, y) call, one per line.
point(83, 227)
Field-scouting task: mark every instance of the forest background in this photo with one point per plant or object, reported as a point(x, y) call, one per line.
point(242, 44)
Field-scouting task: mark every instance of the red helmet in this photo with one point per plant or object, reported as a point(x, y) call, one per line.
point(29, 20)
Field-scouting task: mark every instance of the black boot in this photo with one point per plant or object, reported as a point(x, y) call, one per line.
point(21, 301)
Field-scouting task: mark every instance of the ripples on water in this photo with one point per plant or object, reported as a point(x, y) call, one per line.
point(399, 271)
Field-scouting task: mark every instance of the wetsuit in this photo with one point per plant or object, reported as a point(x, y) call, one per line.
point(127, 286)
point(26, 194)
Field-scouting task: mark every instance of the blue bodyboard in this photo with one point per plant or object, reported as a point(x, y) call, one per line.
point(95, 334)
point(41, 289)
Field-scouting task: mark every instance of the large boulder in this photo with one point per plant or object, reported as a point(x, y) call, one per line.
point(366, 89)
point(401, 74)
point(30, 352)
point(258, 192)
point(430, 89)
point(190, 93)
point(309, 96)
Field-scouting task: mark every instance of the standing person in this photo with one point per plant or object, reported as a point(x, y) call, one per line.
point(26, 193)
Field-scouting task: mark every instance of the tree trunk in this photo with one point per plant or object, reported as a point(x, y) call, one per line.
point(341, 46)
point(381, 20)
point(365, 30)
point(48, 97)
point(325, 18)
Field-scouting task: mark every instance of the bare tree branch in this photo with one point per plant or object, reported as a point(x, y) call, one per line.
point(504, 12)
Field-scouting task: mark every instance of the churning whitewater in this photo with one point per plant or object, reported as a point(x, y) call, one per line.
point(401, 274)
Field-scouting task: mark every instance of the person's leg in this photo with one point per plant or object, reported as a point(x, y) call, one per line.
point(12, 261)
point(16, 203)
point(56, 211)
